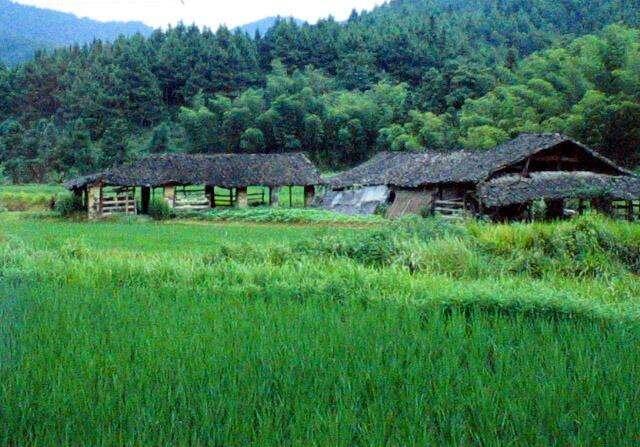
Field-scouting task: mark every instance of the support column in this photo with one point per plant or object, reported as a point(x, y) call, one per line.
point(170, 195)
point(555, 209)
point(274, 196)
point(210, 192)
point(145, 199)
point(242, 200)
point(94, 202)
point(602, 205)
point(309, 194)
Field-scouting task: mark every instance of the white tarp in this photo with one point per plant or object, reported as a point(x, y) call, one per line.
point(356, 201)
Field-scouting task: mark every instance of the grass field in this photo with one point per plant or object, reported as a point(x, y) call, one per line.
point(28, 197)
point(133, 332)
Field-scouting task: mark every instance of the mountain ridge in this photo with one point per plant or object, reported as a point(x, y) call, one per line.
point(264, 25)
point(25, 29)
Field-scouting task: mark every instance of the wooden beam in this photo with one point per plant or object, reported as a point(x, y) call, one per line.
point(274, 196)
point(309, 194)
point(243, 201)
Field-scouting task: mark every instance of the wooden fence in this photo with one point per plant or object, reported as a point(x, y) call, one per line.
point(121, 202)
point(191, 200)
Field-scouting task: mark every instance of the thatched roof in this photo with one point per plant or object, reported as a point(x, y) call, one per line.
point(225, 170)
point(516, 189)
point(413, 169)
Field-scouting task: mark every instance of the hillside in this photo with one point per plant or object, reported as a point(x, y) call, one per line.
point(264, 25)
point(25, 29)
point(400, 76)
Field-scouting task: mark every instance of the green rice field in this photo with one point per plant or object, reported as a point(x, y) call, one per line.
point(232, 332)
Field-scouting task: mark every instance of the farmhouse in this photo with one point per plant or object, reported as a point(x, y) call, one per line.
point(502, 183)
point(189, 182)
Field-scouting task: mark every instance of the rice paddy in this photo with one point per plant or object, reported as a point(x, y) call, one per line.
point(132, 332)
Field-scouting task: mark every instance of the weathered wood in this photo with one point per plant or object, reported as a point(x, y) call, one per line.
point(274, 196)
point(209, 191)
point(555, 209)
point(242, 199)
point(145, 199)
point(93, 197)
point(309, 194)
point(170, 195)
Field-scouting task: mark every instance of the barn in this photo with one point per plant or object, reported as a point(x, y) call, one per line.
point(193, 182)
point(501, 183)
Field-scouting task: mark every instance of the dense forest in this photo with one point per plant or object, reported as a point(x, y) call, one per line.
point(409, 75)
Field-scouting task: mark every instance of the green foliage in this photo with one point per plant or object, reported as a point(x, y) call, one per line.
point(284, 215)
point(28, 197)
point(588, 89)
point(407, 75)
point(68, 205)
point(160, 142)
point(159, 209)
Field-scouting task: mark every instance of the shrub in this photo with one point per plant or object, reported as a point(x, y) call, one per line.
point(159, 209)
point(68, 205)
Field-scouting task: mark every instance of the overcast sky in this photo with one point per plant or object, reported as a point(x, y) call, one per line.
point(204, 12)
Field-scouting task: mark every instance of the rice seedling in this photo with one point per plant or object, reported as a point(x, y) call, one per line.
point(414, 333)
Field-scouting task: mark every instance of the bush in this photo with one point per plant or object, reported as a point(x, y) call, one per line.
point(68, 205)
point(159, 209)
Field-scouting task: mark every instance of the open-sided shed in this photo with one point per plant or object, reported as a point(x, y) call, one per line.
point(479, 182)
point(172, 172)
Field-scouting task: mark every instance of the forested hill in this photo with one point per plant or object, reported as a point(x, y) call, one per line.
point(264, 25)
point(26, 29)
point(403, 76)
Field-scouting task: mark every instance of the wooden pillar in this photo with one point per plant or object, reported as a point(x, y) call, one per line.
point(242, 199)
point(602, 205)
point(145, 199)
point(309, 194)
point(555, 209)
point(85, 202)
point(274, 196)
point(170, 195)
point(209, 191)
point(94, 202)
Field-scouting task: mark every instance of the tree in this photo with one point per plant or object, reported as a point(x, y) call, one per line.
point(115, 144)
point(160, 140)
point(252, 140)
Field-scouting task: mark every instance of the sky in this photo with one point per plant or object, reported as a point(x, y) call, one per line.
point(211, 13)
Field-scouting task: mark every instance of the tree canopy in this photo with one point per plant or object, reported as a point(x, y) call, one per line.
point(409, 75)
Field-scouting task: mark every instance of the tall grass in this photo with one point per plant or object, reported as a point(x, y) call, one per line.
point(247, 336)
point(28, 197)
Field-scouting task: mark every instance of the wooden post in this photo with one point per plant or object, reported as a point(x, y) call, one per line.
point(145, 199)
point(555, 209)
point(309, 194)
point(86, 199)
point(170, 195)
point(93, 196)
point(630, 210)
point(290, 196)
point(209, 192)
point(581, 206)
point(274, 196)
point(101, 201)
point(602, 205)
point(243, 202)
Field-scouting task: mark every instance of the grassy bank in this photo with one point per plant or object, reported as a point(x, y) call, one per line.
point(414, 333)
point(28, 197)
